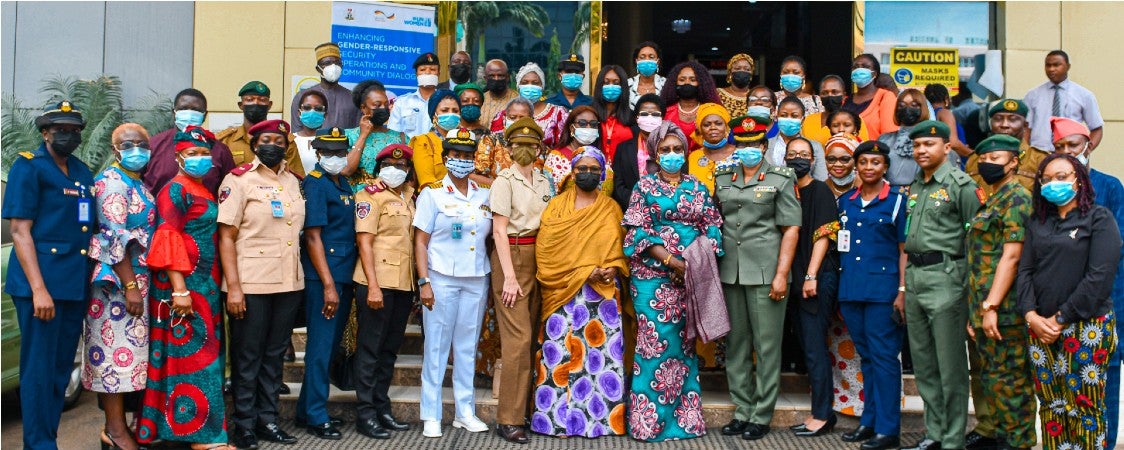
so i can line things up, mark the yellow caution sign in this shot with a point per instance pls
(920, 67)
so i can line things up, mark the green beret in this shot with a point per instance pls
(1008, 105)
(458, 89)
(998, 142)
(930, 128)
(525, 131)
(254, 88)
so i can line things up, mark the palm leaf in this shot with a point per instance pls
(19, 132)
(529, 15)
(581, 26)
(153, 112)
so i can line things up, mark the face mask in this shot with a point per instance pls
(524, 155)
(741, 79)
(572, 81)
(789, 126)
(460, 168)
(188, 117)
(672, 162)
(135, 158)
(586, 136)
(687, 91)
(392, 176)
(991, 172)
(197, 166)
(716, 145)
(791, 82)
(759, 111)
(832, 103)
(333, 164)
(909, 116)
(530, 92)
(1059, 192)
(587, 181)
(611, 92)
(379, 116)
(799, 165)
(255, 113)
(460, 73)
(862, 77)
(470, 113)
(647, 67)
(749, 156)
(648, 123)
(507, 122)
(331, 73)
(312, 119)
(270, 154)
(448, 121)
(1083, 159)
(497, 87)
(428, 79)
(63, 143)
(847, 180)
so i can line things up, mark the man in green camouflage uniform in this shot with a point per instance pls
(995, 239)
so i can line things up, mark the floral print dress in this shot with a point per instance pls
(665, 401)
(116, 343)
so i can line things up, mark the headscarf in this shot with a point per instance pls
(736, 58)
(846, 141)
(666, 128)
(436, 98)
(708, 109)
(590, 152)
(528, 68)
(192, 137)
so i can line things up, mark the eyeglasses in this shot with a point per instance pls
(1064, 176)
(126, 145)
(317, 108)
(587, 169)
(752, 99)
(649, 114)
(806, 155)
(838, 159)
(582, 123)
(670, 149)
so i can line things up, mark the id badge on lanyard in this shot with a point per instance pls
(843, 237)
(275, 205)
(85, 206)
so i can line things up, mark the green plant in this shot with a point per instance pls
(552, 83)
(18, 131)
(479, 16)
(154, 113)
(581, 26)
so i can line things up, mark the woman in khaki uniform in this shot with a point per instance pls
(385, 282)
(261, 214)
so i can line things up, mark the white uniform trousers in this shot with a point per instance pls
(458, 310)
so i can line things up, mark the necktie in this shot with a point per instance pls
(1057, 110)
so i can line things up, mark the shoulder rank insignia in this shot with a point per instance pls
(241, 170)
(981, 195)
(27, 155)
(372, 189)
(315, 174)
(435, 185)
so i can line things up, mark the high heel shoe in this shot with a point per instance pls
(823, 430)
(107, 442)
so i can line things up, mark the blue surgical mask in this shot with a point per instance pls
(672, 162)
(611, 92)
(312, 119)
(759, 111)
(188, 117)
(862, 76)
(135, 158)
(460, 168)
(197, 166)
(749, 156)
(716, 145)
(1059, 192)
(647, 67)
(470, 113)
(791, 82)
(789, 126)
(448, 121)
(572, 81)
(530, 92)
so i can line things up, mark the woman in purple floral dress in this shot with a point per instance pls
(667, 212)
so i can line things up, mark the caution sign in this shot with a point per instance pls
(920, 67)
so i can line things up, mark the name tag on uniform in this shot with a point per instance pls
(278, 211)
(843, 241)
(458, 229)
(764, 189)
(84, 210)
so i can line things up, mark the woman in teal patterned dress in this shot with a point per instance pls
(667, 212)
(183, 401)
(370, 135)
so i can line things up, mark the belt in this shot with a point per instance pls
(521, 240)
(928, 258)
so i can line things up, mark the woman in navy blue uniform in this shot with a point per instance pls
(50, 204)
(872, 224)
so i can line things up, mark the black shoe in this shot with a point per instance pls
(284, 390)
(925, 444)
(325, 431)
(273, 433)
(881, 442)
(735, 427)
(976, 441)
(290, 353)
(860, 434)
(371, 429)
(302, 422)
(755, 431)
(389, 422)
(512, 433)
(798, 427)
(825, 429)
(244, 438)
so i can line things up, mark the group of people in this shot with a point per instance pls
(605, 239)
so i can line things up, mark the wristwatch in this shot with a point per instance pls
(988, 307)
(901, 288)
(809, 277)
(1059, 318)
(423, 281)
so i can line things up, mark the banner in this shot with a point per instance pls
(381, 41)
(920, 67)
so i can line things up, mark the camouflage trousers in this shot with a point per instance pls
(1007, 386)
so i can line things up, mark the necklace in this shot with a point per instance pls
(673, 184)
(684, 111)
(835, 190)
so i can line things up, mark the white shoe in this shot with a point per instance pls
(470, 424)
(432, 428)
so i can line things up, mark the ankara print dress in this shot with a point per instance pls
(183, 401)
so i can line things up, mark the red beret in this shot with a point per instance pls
(395, 151)
(270, 126)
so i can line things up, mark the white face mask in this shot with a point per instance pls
(586, 136)
(392, 176)
(333, 164)
(427, 80)
(332, 73)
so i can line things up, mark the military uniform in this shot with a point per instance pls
(237, 138)
(1029, 157)
(268, 210)
(61, 210)
(939, 210)
(753, 211)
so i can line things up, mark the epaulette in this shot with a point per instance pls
(28, 155)
(295, 174)
(726, 170)
(483, 185)
(783, 171)
(961, 178)
(241, 170)
(372, 189)
(226, 133)
(435, 185)
(315, 174)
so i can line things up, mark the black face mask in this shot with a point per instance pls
(497, 87)
(799, 165)
(587, 181)
(461, 73)
(992, 173)
(908, 116)
(255, 113)
(379, 116)
(687, 91)
(832, 103)
(63, 143)
(270, 154)
(741, 79)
